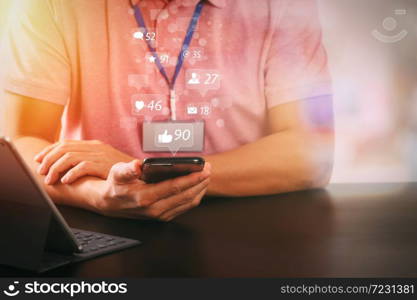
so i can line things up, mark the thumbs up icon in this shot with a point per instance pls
(165, 138)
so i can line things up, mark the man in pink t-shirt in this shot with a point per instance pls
(82, 78)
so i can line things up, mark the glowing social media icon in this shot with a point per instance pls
(150, 36)
(185, 53)
(164, 58)
(195, 79)
(173, 136)
(205, 110)
(202, 80)
(11, 290)
(139, 105)
(193, 53)
(148, 105)
(390, 24)
(138, 35)
(165, 138)
(192, 110)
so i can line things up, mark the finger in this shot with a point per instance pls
(85, 168)
(66, 162)
(174, 186)
(57, 152)
(207, 166)
(179, 210)
(39, 157)
(123, 173)
(157, 209)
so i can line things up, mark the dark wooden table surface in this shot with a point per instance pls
(348, 230)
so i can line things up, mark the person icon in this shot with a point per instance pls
(194, 79)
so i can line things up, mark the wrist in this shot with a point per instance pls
(97, 190)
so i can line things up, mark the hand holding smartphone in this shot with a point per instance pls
(162, 168)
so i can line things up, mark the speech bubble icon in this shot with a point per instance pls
(138, 81)
(194, 54)
(138, 35)
(202, 80)
(149, 105)
(173, 136)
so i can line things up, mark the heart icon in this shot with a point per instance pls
(139, 105)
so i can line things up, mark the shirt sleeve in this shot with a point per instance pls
(36, 63)
(296, 66)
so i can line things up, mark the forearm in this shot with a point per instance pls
(82, 193)
(278, 163)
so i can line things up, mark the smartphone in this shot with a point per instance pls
(162, 168)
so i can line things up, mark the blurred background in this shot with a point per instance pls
(372, 48)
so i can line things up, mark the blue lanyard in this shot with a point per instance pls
(186, 43)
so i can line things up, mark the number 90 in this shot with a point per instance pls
(184, 135)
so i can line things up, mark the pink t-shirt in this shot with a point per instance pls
(245, 58)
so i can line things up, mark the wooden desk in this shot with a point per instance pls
(348, 230)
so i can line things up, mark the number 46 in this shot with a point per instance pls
(155, 105)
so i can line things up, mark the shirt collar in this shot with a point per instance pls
(217, 3)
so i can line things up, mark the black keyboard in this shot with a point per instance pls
(94, 242)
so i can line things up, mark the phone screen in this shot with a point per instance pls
(163, 168)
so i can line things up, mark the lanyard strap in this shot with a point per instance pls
(186, 43)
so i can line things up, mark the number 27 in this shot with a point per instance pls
(211, 78)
